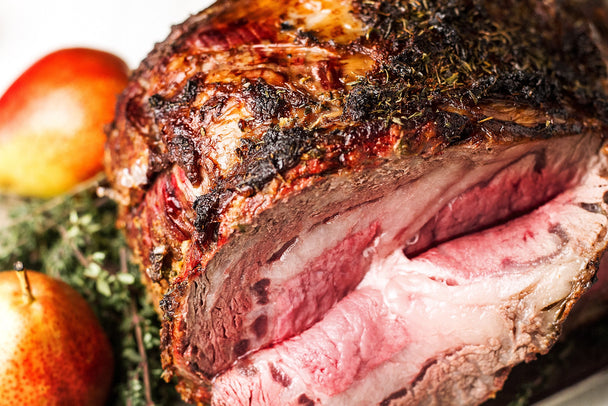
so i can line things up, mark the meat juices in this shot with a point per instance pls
(363, 202)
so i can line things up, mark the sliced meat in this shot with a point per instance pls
(444, 327)
(269, 155)
(250, 298)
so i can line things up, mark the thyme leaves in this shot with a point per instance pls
(463, 51)
(74, 238)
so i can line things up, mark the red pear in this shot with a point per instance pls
(52, 121)
(53, 350)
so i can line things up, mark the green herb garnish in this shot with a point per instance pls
(74, 238)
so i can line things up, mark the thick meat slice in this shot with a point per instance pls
(268, 153)
(444, 327)
(253, 297)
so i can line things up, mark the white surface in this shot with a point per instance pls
(29, 29)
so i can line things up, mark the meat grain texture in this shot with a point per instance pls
(362, 202)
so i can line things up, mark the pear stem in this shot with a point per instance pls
(26, 289)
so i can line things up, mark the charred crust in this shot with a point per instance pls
(266, 101)
(531, 87)
(182, 150)
(286, 26)
(160, 261)
(362, 102)
(156, 101)
(204, 206)
(307, 37)
(379, 15)
(258, 174)
(285, 147)
(179, 126)
(206, 209)
(426, 54)
(463, 51)
(171, 301)
(453, 128)
(191, 90)
(279, 150)
(167, 306)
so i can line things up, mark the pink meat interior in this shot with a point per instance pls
(478, 302)
(277, 289)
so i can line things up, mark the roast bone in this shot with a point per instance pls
(358, 203)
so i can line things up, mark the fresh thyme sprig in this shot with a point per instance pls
(74, 238)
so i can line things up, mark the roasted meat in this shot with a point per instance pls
(364, 202)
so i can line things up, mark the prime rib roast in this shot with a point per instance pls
(354, 202)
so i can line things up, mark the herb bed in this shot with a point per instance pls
(74, 238)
